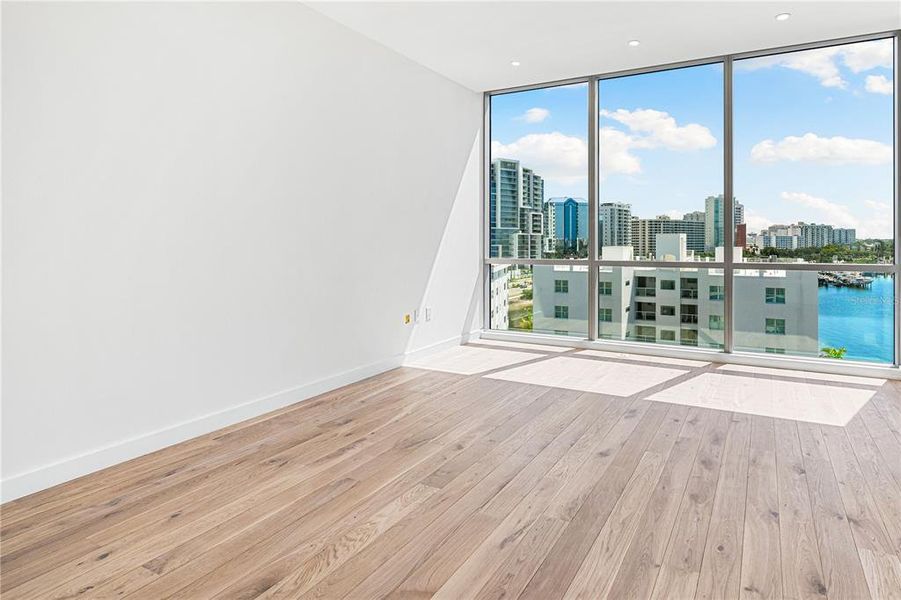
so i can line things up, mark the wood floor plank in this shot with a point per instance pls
(644, 556)
(761, 556)
(877, 553)
(842, 570)
(681, 564)
(568, 485)
(886, 492)
(802, 571)
(300, 579)
(505, 483)
(515, 572)
(888, 404)
(884, 439)
(555, 574)
(599, 567)
(720, 575)
(510, 512)
(344, 579)
(419, 484)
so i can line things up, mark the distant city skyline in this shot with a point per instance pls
(813, 138)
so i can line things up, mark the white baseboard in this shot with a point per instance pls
(72, 467)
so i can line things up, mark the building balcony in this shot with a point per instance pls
(689, 294)
(689, 319)
(645, 291)
(643, 315)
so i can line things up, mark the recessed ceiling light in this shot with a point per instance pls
(514, 63)
(634, 43)
(783, 16)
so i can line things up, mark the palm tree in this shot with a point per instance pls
(828, 352)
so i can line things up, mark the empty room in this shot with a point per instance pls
(457, 300)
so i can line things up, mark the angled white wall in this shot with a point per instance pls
(211, 210)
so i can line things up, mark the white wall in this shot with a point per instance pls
(212, 210)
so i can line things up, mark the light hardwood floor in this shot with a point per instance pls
(420, 483)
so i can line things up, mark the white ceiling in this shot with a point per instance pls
(473, 43)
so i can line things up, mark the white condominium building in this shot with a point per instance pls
(776, 310)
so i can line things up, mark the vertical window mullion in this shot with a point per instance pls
(897, 198)
(486, 208)
(728, 208)
(593, 314)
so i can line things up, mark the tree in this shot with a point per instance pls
(828, 352)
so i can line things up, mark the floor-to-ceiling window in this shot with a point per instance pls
(538, 210)
(745, 203)
(660, 197)
(813, 168)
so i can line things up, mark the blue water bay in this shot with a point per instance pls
(861, 320)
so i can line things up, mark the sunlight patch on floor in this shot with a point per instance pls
(616, 379)
(812, 402)
(469, 360)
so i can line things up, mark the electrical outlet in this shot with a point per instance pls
(415, 315)
(428, 313)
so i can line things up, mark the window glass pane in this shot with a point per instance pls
(538, 178)
(836, 314)
(542, 299)
(661, 164)
(642, 311)
(813, 154)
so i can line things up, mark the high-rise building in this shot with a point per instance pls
(714, 221)
(645, 231)
(516, 216)
(769, 239)
(741, 234)
(815, 236)
(614, 224)
(843, 236)
(500, 302)
(566, 222)
(697, 215)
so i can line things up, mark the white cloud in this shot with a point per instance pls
(615, 153)
(833, 151)
(827, 212)
(563, 158)
(554, 156)
(535, 115)
(876, 224)
(823, 63)
(647, 129)
(659, 129)
(867, 55)
(879, 84)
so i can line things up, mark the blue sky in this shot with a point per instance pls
(813, 138)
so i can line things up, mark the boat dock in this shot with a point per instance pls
(853, 280)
